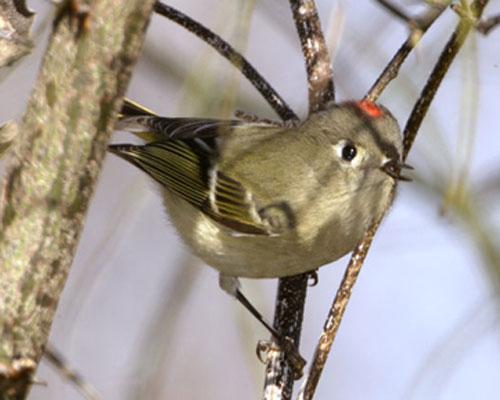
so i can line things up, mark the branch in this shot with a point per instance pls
(484, 26)
(234, 57)
(337, 310)
(57, 160)
(418, 27)
(292, 291)
(290, 301)
(8, 133)
(318, 64)
(343, 294)
(457, 39)
(487, 25)
(288, 315)
(396, 11)
(15, 26)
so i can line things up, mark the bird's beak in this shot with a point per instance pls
(393, 168)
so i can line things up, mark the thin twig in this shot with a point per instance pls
(487, 25)
(318, 64)
(288, 315)
(344, 292)
(337, 311)
(55, 358)
(484, 26)
(443, 64)
(396, 11)
(233, 56)
(418, 28)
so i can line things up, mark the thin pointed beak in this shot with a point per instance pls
(393, 169)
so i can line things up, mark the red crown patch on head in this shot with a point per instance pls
(370, 108)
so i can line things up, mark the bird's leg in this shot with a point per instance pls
(231, 285)
(249, 306)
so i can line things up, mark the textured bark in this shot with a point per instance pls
(57, 158)
(281, 371)
(15, 26)
(318, 64)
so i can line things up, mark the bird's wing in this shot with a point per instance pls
(146, 124)
(183, 161)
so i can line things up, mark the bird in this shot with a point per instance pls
(260, 199)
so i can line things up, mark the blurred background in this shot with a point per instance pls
(142, 319)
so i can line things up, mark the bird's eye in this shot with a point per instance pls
(349, 152)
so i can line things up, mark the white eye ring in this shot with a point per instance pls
(348, 152)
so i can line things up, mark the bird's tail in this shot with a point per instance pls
(132, 109)
(135, 118)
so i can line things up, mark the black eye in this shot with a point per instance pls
(349, 152)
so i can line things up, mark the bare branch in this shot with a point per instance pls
(396, 11)
(288, 315)
(318, 63)
(418, 27)
(337, 311)
(487, 25)
(447, 56)
(234, 57)
(47, 189)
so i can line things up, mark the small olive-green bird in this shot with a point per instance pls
(263, 200)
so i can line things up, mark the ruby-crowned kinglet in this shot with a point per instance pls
(258, 200)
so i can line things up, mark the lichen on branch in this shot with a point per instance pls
(56, 162)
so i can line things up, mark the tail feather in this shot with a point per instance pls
(122, 150)
(134, 119)
(132, 109)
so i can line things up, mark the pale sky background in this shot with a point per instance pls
(423, 319)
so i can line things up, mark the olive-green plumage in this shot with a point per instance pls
(254, 199)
